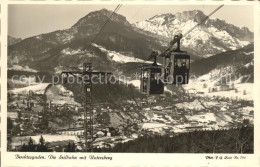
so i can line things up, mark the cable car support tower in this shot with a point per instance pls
(86, 76)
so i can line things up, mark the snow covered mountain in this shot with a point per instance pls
(71, 47)
(123, 46)
(213, 36)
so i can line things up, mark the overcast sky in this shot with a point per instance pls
(29, 20)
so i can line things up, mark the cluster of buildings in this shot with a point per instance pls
(118, 123)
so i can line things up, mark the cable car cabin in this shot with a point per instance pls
(176, 68)
(150, 79)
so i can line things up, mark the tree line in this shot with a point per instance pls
(237, 140)
(240, 140)
(42, 147)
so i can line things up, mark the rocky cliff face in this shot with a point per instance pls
(211, 37)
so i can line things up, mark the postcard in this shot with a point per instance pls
(130, 83)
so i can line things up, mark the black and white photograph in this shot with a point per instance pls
(130, 78)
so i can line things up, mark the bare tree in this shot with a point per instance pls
(242, 136)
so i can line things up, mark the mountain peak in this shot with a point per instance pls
(245, 29)
(101, 16)
(103, 12)
(166, 15)
(214, 36)
(196, 15)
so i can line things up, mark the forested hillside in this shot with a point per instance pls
(218, 141)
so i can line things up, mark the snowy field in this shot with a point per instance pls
(190, 105)
(197, 86)
(37, 89)
(244, 90)
(242, 87)
(153, 125)
(117, 57)
(247, 87)
(21, 68)
(58, 94)
(55, 138)
(210, 117)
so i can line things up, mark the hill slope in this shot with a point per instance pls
(234, 62)
(13, 40)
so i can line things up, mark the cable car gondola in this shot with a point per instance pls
(176, 64)
(150, 77)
